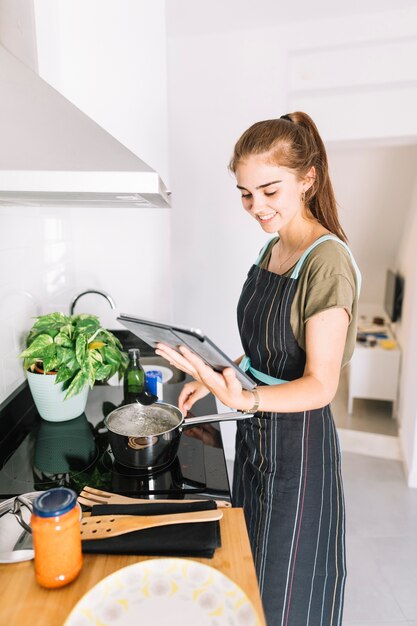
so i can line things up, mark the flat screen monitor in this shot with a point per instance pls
(393, 298)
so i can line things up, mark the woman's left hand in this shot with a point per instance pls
(225, 386)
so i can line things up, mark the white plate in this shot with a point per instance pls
(159, 592)
(167, 374)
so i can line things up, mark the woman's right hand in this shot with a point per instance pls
(191, 392)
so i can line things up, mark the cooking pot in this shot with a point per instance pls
(135, 444)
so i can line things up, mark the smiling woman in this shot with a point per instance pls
(297, 319)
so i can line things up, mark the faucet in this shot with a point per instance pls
(100, 293)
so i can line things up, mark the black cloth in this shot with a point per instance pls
(194, 539)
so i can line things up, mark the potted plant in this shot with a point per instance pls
(64, 357)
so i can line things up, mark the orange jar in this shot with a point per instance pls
(55, 525)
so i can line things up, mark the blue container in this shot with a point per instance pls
(153, 382)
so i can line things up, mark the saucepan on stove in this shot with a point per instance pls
(147, 437)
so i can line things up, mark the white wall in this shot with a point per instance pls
(217, 87)
(125, 252)
(36, 274)
(222, 80)
(374, 189)
(110, 60)
(406, 330)
(36, 244)
(18, 31)
(198, 17)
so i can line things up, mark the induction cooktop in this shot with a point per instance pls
(77, 453)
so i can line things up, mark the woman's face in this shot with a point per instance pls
(270, 193)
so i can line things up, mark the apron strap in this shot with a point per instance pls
(245, 364)
(262, 252)
(264, 378)
(301, 260)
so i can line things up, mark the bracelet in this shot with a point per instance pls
(255, 406)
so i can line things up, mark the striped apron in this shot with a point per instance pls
(287, 474)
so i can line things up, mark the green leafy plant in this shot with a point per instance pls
(76, 348)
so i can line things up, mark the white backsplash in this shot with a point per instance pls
(49, 255)
(36, 276)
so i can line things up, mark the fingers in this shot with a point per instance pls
(192, 357)
(232, 383)
(175, 358)
(225, 386)
(190, 393)
(184, 399)
(187, 397)
(167, 353)
(205, 373)
(184, 359)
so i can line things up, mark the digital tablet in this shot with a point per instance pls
(152, 332)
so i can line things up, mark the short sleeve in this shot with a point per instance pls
(330, 292)
(327, 280)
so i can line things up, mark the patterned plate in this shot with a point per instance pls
(159, 592)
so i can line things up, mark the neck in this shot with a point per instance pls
(291, 236)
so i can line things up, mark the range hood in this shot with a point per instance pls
(52, 154)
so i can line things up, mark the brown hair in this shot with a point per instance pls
(293, 141)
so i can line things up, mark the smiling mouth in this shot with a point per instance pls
(266, 218)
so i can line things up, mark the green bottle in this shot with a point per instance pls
(134, 379)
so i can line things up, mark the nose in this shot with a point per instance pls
(257, 203)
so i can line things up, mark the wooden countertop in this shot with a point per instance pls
(25, 603)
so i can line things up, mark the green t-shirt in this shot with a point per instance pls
(327, 280)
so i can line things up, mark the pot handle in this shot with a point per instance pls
(217, 417)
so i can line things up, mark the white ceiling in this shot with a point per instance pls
(193, 17)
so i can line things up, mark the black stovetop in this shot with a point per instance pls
(77, 453)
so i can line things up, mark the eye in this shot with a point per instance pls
(246, 195)
(270, 193)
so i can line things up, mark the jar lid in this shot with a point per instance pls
(54, 502)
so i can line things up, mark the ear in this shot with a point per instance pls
(309, 178)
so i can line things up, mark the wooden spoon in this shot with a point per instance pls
(104, 526)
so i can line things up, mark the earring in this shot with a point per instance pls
(303, 197)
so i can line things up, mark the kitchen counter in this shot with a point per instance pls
(25, 603)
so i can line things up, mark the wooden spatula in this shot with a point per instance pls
(90, 496)
(104, 526)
